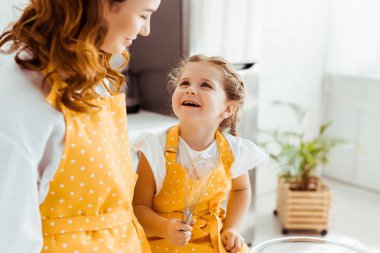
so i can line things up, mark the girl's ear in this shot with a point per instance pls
(230, 109)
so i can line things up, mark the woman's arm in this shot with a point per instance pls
(238, 202)
(20, 219)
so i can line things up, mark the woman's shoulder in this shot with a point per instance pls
(16, 82)
(12, 73)
(19, 86)
(25, 114)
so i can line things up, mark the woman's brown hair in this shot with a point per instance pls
(66, 36)
(233, 85)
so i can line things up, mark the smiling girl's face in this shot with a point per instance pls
(126, 20)
(200, 96)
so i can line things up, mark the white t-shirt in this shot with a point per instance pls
(246, 154)
(31, 145)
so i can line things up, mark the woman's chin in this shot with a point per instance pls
(116, 49)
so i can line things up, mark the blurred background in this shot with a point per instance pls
(323, 55)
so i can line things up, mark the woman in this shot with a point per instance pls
(66, 181)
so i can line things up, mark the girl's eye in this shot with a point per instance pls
(184, 83)
(204, 84)
(144, 17)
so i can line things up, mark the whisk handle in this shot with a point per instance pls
(186, 218)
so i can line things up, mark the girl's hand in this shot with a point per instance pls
(178, 233)
(232, 240)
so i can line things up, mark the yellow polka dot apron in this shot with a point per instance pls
(89, 204)
(209, 214)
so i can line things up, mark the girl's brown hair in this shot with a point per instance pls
(66, 36)
(233, 85)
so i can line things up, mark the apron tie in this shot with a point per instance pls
(210, 223)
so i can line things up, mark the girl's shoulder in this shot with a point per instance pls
(247, 155)
(237, 142)
(240, 145)
(152, 145)
(151, 141)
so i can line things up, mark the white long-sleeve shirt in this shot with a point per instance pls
(31, 145)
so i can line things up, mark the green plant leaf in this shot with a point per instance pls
(324, 127)
(298, 158)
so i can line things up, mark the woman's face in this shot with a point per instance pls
(125, 21)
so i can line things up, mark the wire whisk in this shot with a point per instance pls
(198, 180)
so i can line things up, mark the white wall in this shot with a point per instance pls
(8, 12)
(354, 38)
(292, 66)
(353, 90)
(354, 106)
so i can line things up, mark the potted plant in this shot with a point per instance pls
(303, 199)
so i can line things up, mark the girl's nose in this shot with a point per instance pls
(191, 90)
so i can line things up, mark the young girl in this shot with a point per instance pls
(66, 178)
(208, 94)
